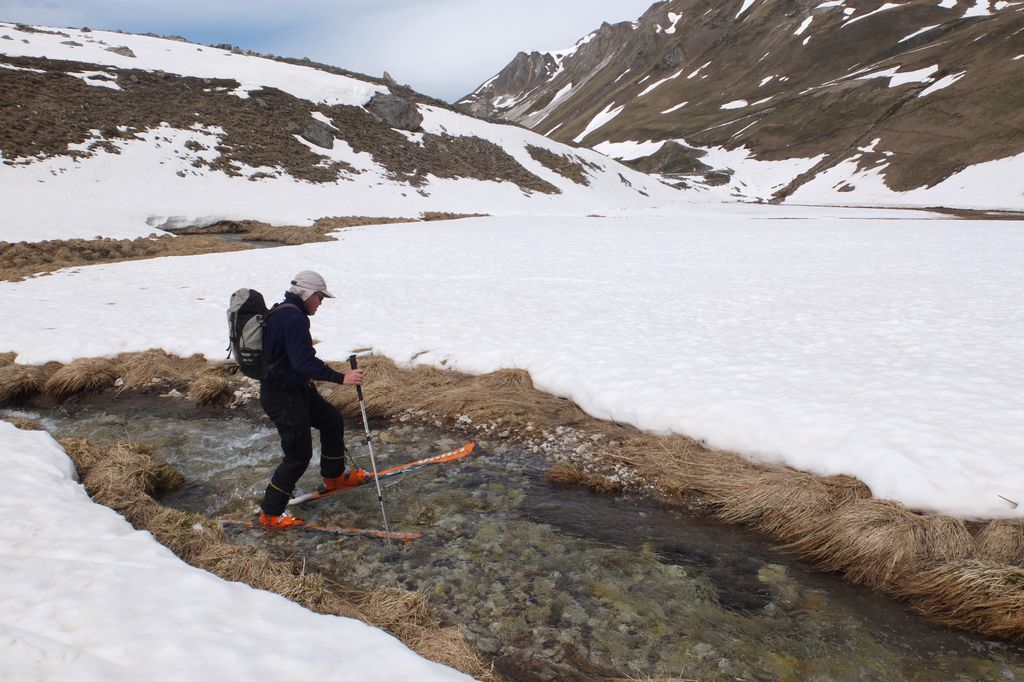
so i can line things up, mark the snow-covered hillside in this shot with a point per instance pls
(136, 134)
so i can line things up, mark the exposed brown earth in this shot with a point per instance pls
(803, 98)
(970, 576)
(24, 259)
(566, 165)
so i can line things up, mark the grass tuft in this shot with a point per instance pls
(19, 381)
(140, 369)
(983, 596)
(208, 387)
(1002, 541)
(565, 474)
(86, 374)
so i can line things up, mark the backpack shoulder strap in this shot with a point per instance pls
(278, 306)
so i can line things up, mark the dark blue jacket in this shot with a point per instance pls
(289, 347)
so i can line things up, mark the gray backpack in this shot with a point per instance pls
(247, 326)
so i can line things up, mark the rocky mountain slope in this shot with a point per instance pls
(122, 135)
(820, 99)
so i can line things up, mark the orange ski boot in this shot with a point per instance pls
(351, 478)
(281, 521)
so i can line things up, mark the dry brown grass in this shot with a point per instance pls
(140, 369)
(23, 259)
(777, 502)
(428, 216)
(7, 359)
(879, 543)
(317, 232)
(649, 679)
(289, 236)
(209, 387)
(1002, 541)
(125, 476)
(19, 381)
(564, 474)
(684, 467)
(982, 596)
(80, 376)
(846, 489)
(504, 397)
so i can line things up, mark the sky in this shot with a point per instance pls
(442, 48)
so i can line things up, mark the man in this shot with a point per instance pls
(292, 402)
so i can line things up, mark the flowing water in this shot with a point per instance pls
(554, 582)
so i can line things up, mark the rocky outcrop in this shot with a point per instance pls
(395, 112)
(313, 131)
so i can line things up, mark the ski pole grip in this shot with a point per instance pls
(359, 389)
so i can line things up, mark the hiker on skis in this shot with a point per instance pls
(290, 399)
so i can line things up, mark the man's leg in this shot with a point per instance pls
(289, 410)
(327, 419)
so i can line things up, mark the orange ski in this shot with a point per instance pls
(401, 536)
(449, 456)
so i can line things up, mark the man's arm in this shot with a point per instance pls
(301, 354)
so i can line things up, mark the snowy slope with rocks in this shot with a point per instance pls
(137, 134)
(914, 103)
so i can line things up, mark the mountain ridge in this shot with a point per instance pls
(815, 81)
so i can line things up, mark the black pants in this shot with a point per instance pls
(293, 413)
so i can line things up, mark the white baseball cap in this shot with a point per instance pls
(308, 283)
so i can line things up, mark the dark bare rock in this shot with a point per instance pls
(395, 111)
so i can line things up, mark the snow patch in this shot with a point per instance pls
(675, 108)
(674, 18)
(652, 86)
(943, 82)
(626, 151)
(919, 32)
(744, 7)
(896, 78)
(696, 71)
(99, 79)
(735, 104)
(981, 8)
(12, 67)
(884, 8)
(606, 115)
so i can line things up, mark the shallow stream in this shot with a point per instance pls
(554, 582)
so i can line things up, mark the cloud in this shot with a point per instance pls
(443, 48)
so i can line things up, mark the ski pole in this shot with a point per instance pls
(369, 444)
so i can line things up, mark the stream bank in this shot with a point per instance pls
(552, 582)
